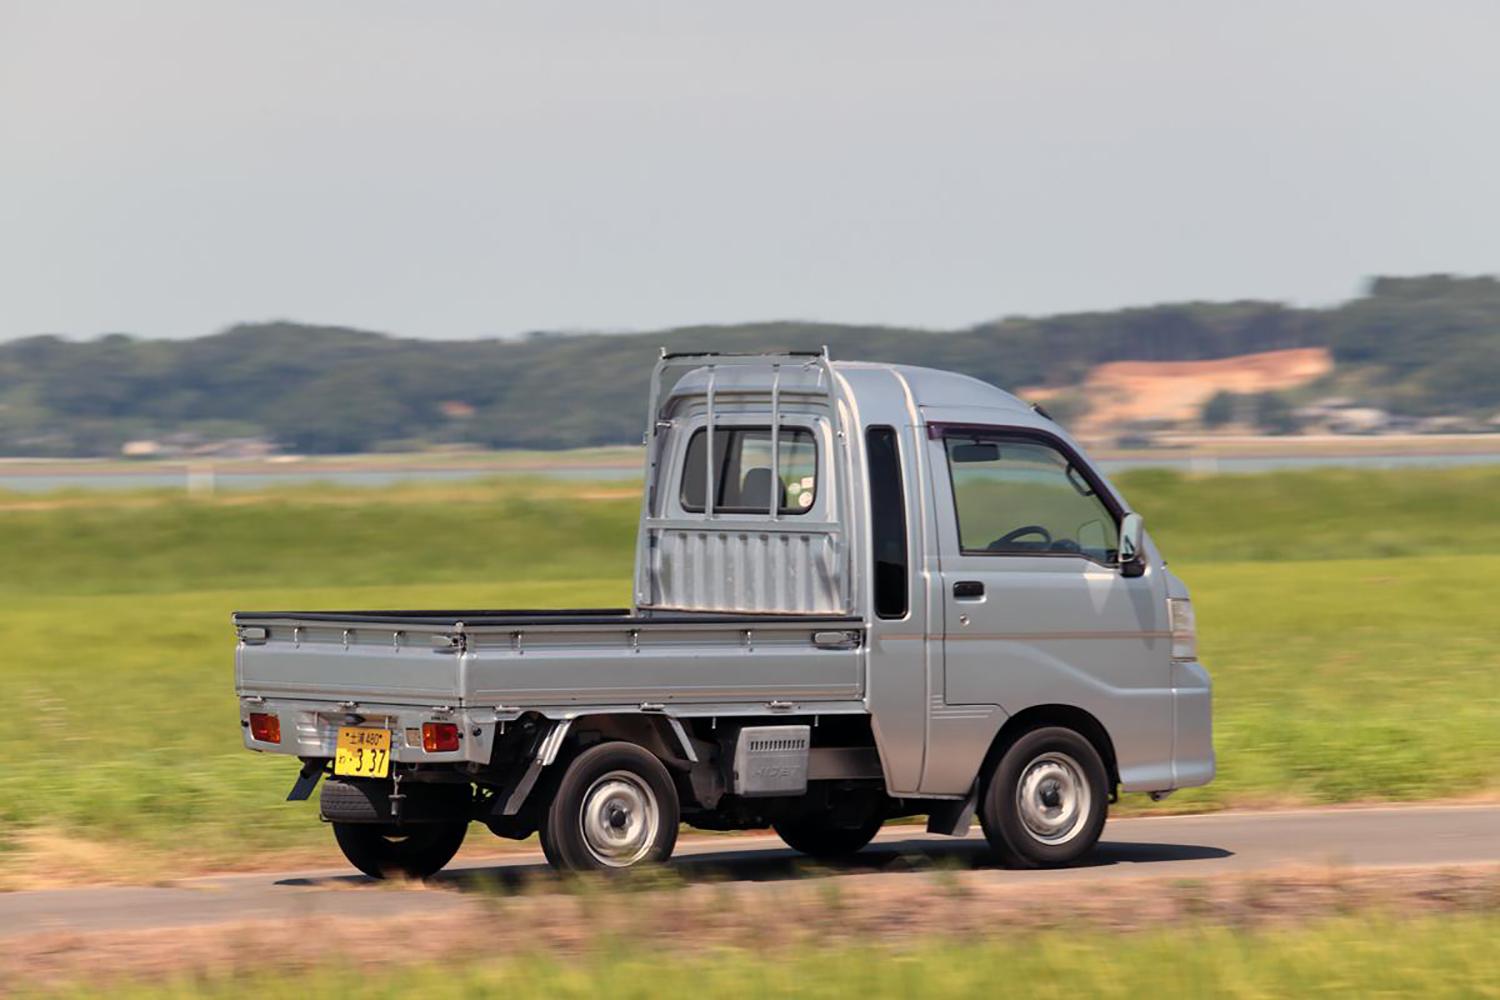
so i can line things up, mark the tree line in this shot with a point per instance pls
(1418, 345)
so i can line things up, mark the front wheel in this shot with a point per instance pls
(417, 851)
(615, 807)
(1045, 804)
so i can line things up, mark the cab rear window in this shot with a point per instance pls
(743, 477)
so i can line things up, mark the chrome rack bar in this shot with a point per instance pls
(775, 499)
(643, 535)
(710, 479)
(707, 356)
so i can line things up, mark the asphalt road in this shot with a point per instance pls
(1174, 846)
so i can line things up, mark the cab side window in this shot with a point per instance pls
(1016, 496)
(743, 479)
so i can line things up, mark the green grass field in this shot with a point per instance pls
(1348, 619)
(1365, 956)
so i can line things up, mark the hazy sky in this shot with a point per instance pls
(457, 169)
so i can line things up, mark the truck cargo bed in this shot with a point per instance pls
(516, 658)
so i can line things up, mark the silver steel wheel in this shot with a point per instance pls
(619, 819)
(1053, 798)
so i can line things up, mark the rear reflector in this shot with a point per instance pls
(439, 737)
(265, 728)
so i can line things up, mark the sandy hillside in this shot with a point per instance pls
(1122, 392)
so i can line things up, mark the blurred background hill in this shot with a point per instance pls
(1410, 354)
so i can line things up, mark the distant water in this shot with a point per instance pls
(1267, 463)
(387, 477)
(264, 480)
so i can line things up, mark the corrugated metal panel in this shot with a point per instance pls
(727, 568)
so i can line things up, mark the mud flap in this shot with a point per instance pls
(547, 748)
(312, 773)
(953, 819)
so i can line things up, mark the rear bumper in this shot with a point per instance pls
(310, 729)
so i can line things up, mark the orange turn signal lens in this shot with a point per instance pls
(265, 728)
(439, 737)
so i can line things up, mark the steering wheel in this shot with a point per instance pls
(1011, 537)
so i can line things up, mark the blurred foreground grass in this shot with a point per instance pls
(1348, 618)
(1356, 956)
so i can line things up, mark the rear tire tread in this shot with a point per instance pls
(811, 835)
(418, 851)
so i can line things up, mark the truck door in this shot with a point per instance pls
(1036, 610)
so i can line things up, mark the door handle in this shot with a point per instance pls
(968, 590)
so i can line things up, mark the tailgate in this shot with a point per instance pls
(347, 661)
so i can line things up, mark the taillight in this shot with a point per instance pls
(439, 737)
(265, 728)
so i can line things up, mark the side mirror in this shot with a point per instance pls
(1132, 528)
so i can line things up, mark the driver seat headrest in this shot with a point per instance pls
(755, 489)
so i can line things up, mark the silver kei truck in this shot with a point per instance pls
(862, 591)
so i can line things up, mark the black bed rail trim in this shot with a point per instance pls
(473, 619)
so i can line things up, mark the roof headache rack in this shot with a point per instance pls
(712, 361)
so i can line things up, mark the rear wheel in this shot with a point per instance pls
(417, 851)
(818, 836)
(1045, 804)
(616, 807)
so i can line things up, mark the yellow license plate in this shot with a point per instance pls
(362, 752)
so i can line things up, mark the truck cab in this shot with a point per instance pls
(862, 591)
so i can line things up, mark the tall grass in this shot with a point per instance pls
(1312, 514)
(166, 542)
(512, 530)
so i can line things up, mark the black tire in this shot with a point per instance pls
(815, 836)
(1046, 801)
(615, 808)
(417, 851)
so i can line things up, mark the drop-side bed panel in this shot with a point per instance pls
(764, 660)
(523, 659)
(323, 661)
